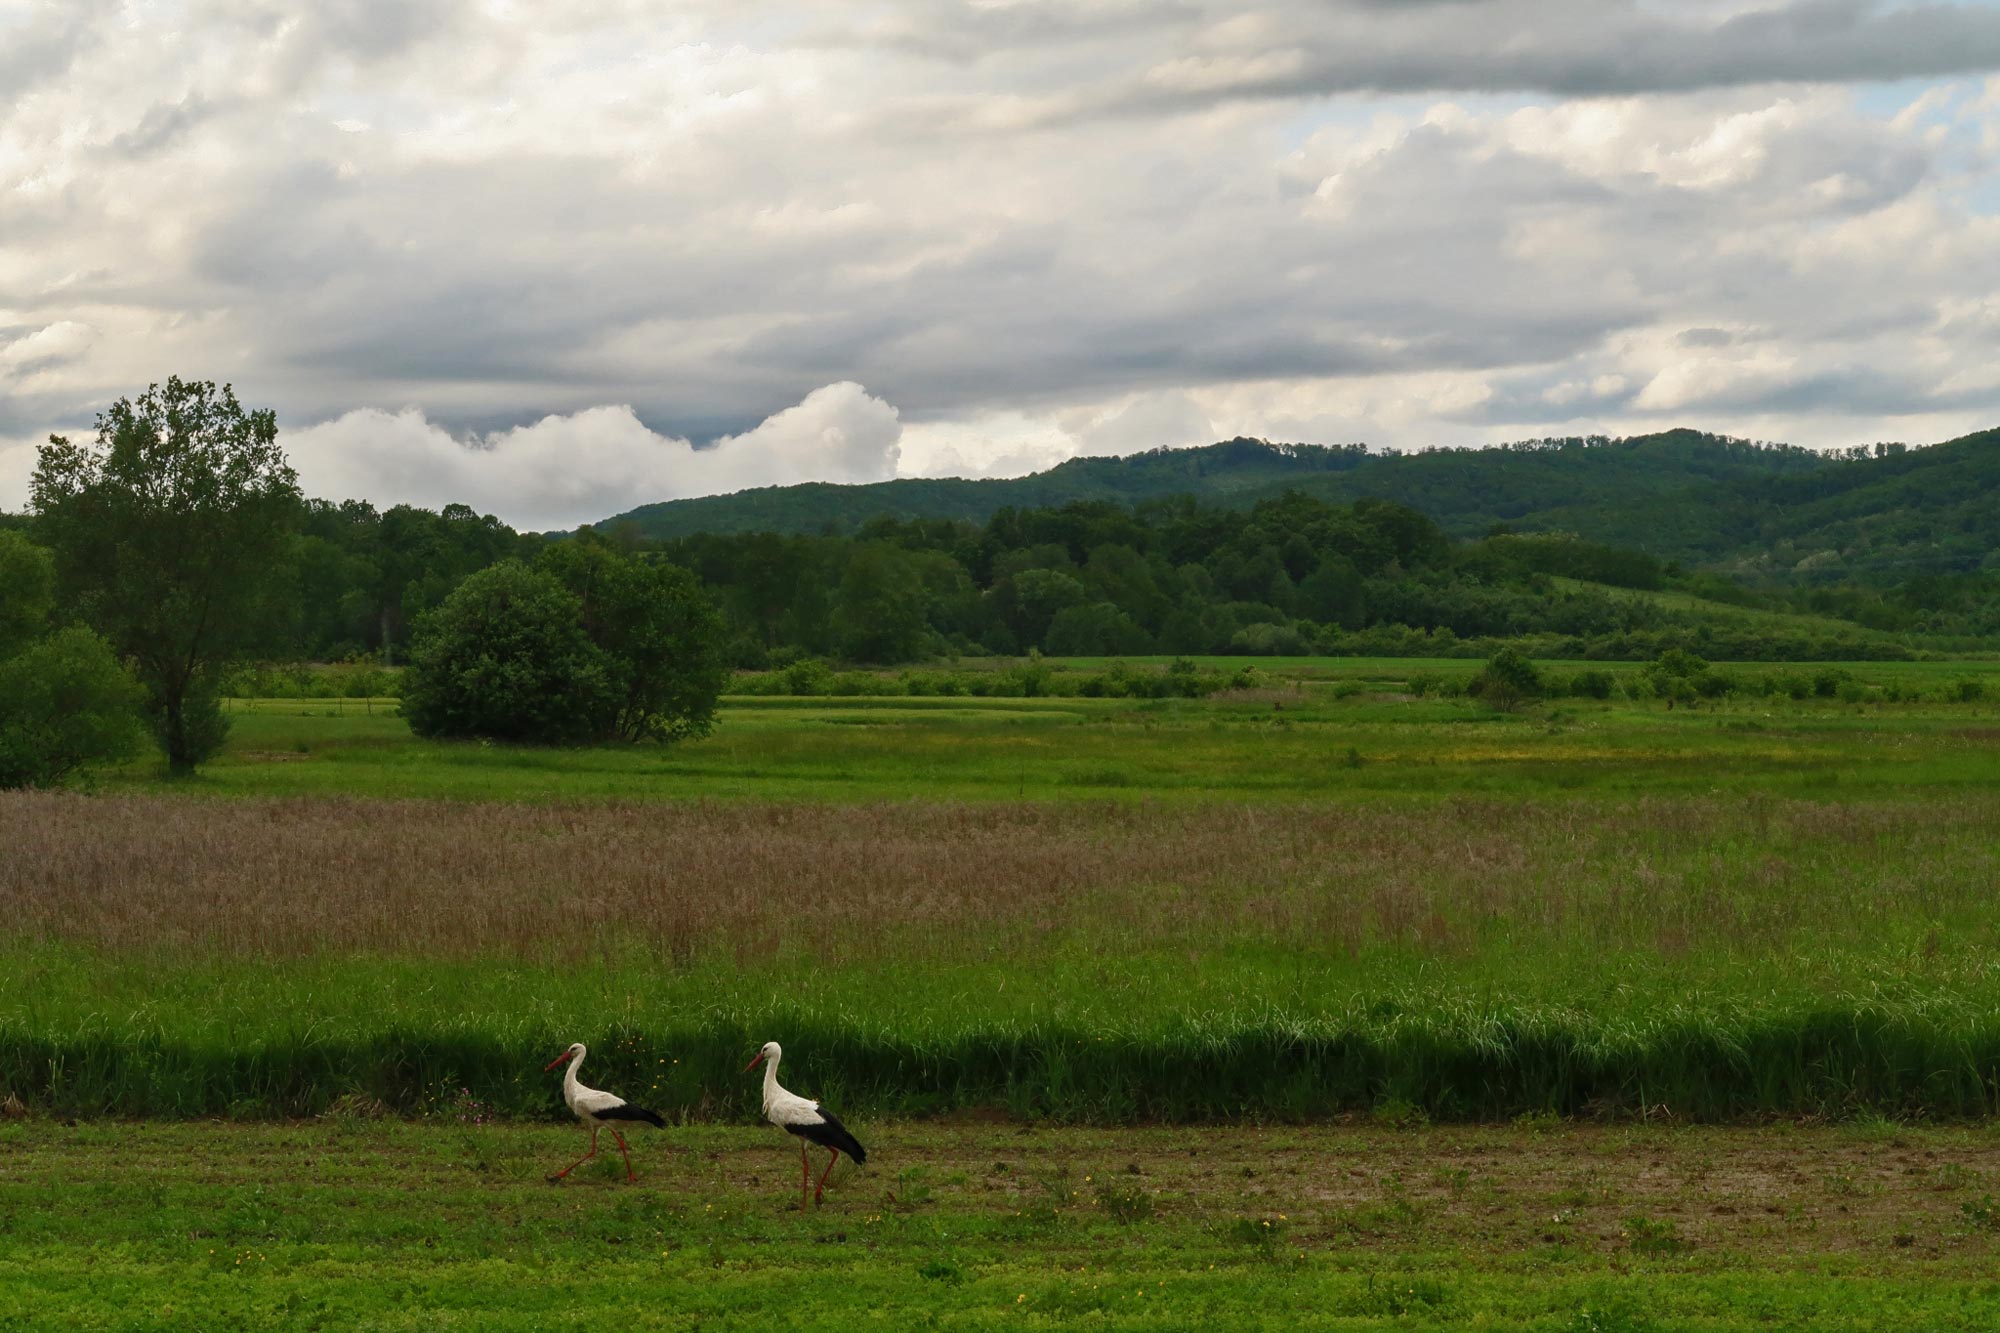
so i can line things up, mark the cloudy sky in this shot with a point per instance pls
(555, 260)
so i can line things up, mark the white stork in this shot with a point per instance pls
(805, 1118)
(595, 1108)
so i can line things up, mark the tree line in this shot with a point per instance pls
(176, 542)
(1289, 575)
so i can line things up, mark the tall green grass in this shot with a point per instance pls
(1080, 1039)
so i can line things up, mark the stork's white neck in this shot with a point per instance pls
(771, 1079)
(569, 1075)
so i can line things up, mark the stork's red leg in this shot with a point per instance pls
(832, 1156)
(629, 1173)
(581, 1160)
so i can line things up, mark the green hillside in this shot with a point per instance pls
(1233, 468)
(1767, 511)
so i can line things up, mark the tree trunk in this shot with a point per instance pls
(179, 762)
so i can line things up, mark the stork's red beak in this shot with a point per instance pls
(553, 1063)
(754, 1063)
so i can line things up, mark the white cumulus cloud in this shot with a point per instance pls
(562, 471)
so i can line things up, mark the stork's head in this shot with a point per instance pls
(575, 1052)
(770, 1052)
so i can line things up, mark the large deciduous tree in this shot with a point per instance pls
(170, 532)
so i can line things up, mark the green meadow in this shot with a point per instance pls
(1317, 1003)
(1320, 729)
(350, 1222)
(1316, 897)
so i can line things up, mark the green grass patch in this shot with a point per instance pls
(1305, 740)
(349, 1222)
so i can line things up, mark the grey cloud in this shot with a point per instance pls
(471, 286)
(708, 233)
(163, 125)
(362, 30)
(42, 47)
(1569, 48)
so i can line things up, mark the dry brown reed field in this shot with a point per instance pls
(1468, 958)
(285, 878)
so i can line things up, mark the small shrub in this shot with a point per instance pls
(1592, 684)
(1402, 1296)
(1399, 1113)
(1713, 684)
(1654, 1235)
(1609, 1319)
(807, 678)
(1507, 681)
(1538, 1122)
(1124, 1204)
(1264, 1235)
(66, 705)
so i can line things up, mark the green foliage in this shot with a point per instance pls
(589, 646)
(506, 656)
(27, 590)
(1125, 1204)
(1679, 664)
(879, 613)
(364, 576)
(357, 678)
(1097, 629)
(1572, 557)
(1289, 574)
(1507, 681)
(659, 634)
(1593, 684)
(170, 531)
(66, 705)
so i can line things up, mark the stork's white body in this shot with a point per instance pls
(783, 1107)
(595, 1107)
(587, 1104)
(807, 1120)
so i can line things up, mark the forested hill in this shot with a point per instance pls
(1234, 468)
(1883, 515)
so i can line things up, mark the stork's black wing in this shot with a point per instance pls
(627, 1111)
(830, 1133)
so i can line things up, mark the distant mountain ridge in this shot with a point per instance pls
(1773, 511)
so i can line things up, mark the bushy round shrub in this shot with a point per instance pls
(505, 656)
